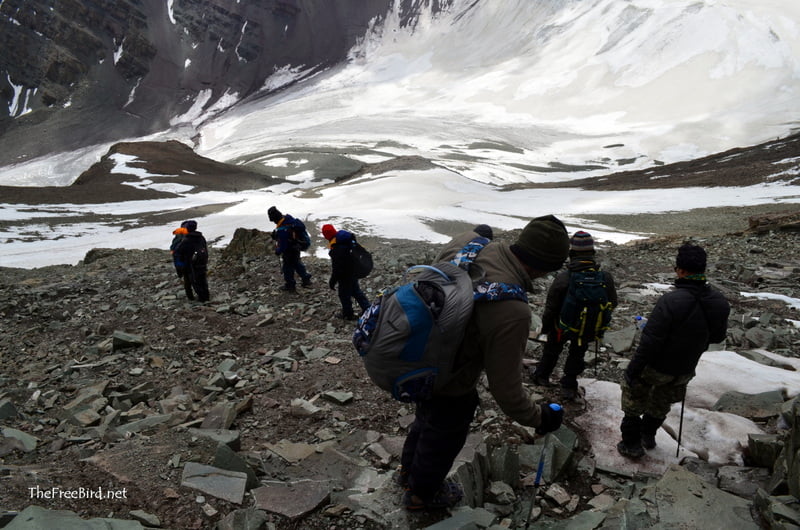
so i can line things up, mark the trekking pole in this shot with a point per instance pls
(680, 427)
(596, 355)
(539, 470)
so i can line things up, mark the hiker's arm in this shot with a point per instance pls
(503, 348)
(654, 338)
(555, 297)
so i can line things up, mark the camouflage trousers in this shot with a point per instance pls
(654, 393)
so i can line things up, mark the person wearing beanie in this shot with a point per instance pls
(288, 248)
(192, 253)
(484, 231)
(680, 328)
(343, 275)
(582, 265)
(494, 342)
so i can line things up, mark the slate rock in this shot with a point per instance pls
(292, 499)
(38, 518)
(220, 483)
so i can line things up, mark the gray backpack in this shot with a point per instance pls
(410, 336)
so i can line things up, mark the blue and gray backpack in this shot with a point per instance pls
(409, 337)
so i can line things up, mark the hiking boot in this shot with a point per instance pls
(569, 394)
(289, 288)
(346, 317)
(448, 496)
(649, 441)
(630, 450)
(306, 282)
(540, 380)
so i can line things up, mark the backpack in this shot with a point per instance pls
(301, 235)
(411, 334)
(200, 258)
(586, 312)
(362, 261)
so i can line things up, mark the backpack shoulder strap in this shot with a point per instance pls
(469, 252)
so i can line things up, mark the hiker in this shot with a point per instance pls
(178, 234)
(680, 328)
(494, 342)
(192, 251)
(341, 243)
(582, 260)
(288, 246)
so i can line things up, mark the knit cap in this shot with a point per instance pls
(581, 242)
(691, 258)
(191, 226)
(274, 214)
(543, 244)
(484, 231)
(328, 232)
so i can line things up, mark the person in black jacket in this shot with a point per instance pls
(192, 251)
(680, 328)
(582, 258)
(342, 274)
(287, 247)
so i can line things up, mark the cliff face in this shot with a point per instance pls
(76, 72)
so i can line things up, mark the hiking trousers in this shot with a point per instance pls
(199, 282)
(573, 366)
(349, 290)
(291, 263)
(434, 440)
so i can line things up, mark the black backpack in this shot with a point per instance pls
(586, 312)
(301, 235)
(200, 258)
(362, 261)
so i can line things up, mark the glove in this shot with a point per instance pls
(551, 417)
(332, 283)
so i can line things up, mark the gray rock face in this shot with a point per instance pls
(93, 54)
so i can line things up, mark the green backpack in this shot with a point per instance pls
(586, 312)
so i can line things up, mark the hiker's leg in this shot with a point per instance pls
(441, 427)
(287, 267)
(300, 268)
(361, 298)
(550, 353)
(200, 284)
(344, 289)
(575, 364)
(187, 283)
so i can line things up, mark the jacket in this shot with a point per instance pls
(179, 234)
(558, 292)
(496, 336)
(680, 328)
(341, 260)
(190, 243)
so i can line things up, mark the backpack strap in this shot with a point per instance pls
(486, 291)
(469, 252)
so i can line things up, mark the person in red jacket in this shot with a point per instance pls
(341, 243)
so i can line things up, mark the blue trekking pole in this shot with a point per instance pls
(540, 468)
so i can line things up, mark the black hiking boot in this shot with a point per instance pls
(306, 282)
(649, 441)
(633, 451)
(568, 394)
(289, 288)
(540, 380)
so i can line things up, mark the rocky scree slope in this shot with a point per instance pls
(111, 378)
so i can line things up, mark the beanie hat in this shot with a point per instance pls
(543, 244)
(328, 232)
(691, 258)
(484, 231)
(274, 214)
(581, 242)
(191, 226)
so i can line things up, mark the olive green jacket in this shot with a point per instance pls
(496, 335)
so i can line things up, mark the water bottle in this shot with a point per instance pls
(641, 322)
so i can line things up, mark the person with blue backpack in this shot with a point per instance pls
(494, 342)
(341, 244)
(577, 310)
(290, 237)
